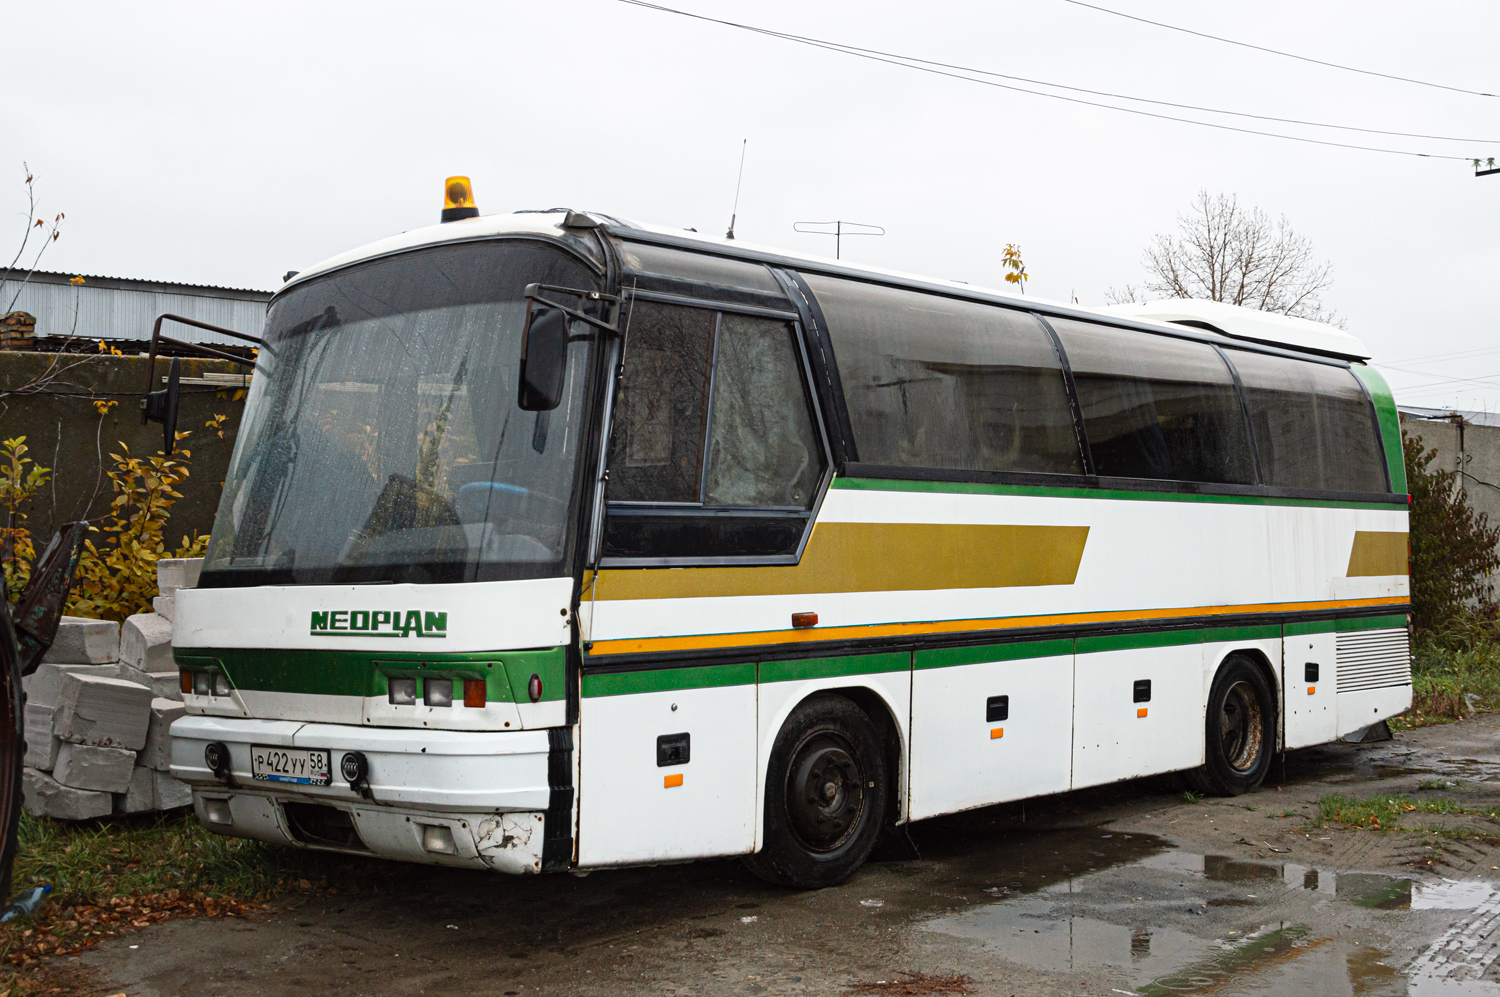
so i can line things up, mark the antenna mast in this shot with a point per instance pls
(735, 213)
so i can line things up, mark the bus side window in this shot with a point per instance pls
(936, 382)
(1313, 424)
(713, 417)
(1156, 407)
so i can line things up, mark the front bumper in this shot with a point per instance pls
(436, 796)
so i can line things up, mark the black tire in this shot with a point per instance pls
(12, 748)
(826, 796)
(1239, 731)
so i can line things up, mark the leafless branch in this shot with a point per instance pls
(1223, 252)
(49, 235)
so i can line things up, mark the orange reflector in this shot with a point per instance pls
(187, 680)
(996, 732)
(1141, 712)
(475, 693)
(1311, 689)
(804, 619)
(675, 779)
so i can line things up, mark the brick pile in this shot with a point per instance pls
(98, 709)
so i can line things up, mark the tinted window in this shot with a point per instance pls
(935, 382)
(699, 267)
(1314, 427)
(714, 450)
(1156, 407)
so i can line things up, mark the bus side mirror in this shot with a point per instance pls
(544, 359)
(161, 406)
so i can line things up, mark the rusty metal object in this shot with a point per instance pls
(40, 606)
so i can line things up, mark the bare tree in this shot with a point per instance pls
(1224, 252)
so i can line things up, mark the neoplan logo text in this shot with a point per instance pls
(379, 623)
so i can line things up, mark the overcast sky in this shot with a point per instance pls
(196, 143)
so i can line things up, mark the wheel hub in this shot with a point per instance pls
(825, 792)
(1241, 731)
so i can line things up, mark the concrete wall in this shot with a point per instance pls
(68, 434)
(1469, 449)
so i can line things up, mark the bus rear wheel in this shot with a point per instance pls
(826, 795)
(1240, 734)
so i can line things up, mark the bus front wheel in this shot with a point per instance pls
(1241, 731)
(826, 794)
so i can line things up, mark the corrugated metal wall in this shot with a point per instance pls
(116, 309)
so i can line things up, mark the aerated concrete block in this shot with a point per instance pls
(81, 641)
(165, 605)
(43, 685)
(146, 643)
(105, 712)
(138, 797)
(158, 751)
(85, 766)
(168, 793)
(173, 573)
(41, 743)
(45, 796)
(163, 685)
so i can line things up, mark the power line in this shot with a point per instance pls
(926, 66)
(1274, 51)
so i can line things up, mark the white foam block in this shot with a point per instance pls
(41, 743)
(45, 796)
(158, 751)
(169, 793)
(85, 766)
(82, 641)
(105, 712)
(43, 685)
(146, 642)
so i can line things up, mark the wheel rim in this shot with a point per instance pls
(1241, 732)
(825, 791)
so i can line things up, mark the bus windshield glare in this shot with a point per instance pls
(381, 440)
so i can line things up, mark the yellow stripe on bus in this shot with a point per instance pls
(704, 642)
(878, 557)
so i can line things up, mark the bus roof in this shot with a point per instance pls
(571, 227)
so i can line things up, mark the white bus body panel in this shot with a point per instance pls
(959, 760)
(1310, 717)
(628, 813)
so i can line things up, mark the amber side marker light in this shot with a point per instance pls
(1311, 689)
(187, 680)
(672, 781)
(474, 693)
(458, 199)
(1140, 712)
(996, 732)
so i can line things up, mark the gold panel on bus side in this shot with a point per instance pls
(879, 557)
(1378, 553)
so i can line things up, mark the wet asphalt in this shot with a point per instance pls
(1130, 889)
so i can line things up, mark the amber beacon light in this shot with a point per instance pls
(458, 199)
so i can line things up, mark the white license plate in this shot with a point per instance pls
(307, 767)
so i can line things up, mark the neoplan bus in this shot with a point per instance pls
(553, 541)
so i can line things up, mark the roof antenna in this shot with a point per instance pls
(735, 213)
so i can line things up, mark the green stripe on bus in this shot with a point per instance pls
(1343, 626)
(949, 657)
(1222, 635)
(978, 488)
(364, 673)
(1390, 423)
(669, 679)
(817, 668)
(1123, 642)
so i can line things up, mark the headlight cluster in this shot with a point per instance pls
(205, 683)
(436, 692)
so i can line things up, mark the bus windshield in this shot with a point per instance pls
(381, 440)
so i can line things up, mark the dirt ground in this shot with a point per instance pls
(1128, 890)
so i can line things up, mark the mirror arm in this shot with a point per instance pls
(533, 293)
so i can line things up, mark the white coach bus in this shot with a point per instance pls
(553, 541)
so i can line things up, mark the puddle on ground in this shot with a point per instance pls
(1166, 921)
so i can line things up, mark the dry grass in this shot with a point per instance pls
(917, 983)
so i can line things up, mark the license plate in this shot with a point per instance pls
(304, 766)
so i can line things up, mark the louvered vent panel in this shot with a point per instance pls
(1373, 659)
